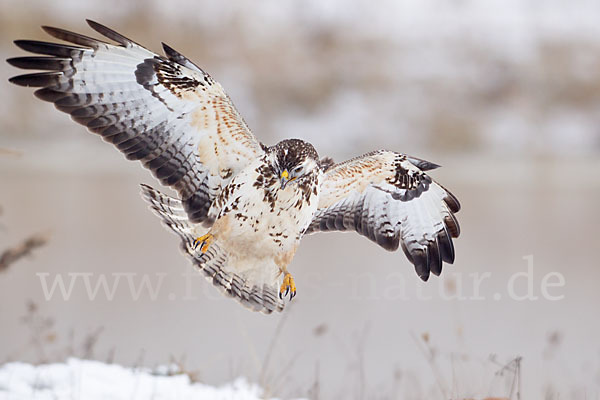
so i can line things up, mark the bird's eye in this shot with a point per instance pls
(298, 169)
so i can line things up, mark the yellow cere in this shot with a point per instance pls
(285, 174)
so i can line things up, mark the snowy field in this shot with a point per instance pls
(93, 380)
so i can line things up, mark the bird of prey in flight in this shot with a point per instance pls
(242, 207)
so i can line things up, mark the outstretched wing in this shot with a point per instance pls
(387, 197)
(164, 111)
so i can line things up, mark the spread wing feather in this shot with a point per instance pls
(387, 197)
(163, 111)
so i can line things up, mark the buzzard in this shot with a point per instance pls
(242, 207)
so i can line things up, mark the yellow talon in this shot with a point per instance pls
(288, 286)
(204, 242)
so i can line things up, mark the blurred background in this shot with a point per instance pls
(505, 94)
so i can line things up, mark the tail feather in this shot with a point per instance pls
(170, 211)
(213, 263)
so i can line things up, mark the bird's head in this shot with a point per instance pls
(293, 160)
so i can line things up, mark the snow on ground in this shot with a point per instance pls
(91, 380)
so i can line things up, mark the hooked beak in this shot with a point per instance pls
(285, 178)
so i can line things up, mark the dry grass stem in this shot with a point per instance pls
(23, 249)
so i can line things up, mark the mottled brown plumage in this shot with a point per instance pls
(242, 207)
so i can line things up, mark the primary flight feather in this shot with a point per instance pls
(242, 207)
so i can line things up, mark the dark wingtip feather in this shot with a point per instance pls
(72, 37)
(179, 58)
(169, 51)
(41, 63)
(14, 61)
(420, 259)
(423, 165)
(109, 33)
(36, 80)
(446, 246)
(451, 200)
(24, 44)
(452, 225)
(47, 48)
(435, 258)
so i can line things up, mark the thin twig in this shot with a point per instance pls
(360, 361)
(11, 255)
(265, 365)
(518, 376)
(90, 342)
(314, 390)
(281, 379)
(429, 355)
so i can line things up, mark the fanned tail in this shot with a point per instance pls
(213, 263)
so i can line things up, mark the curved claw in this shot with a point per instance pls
(204, 242)
(287, 287)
